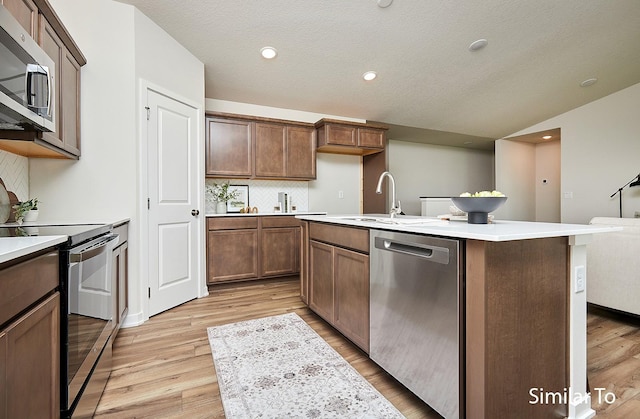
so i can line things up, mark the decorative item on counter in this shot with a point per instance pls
(26, 211)
(221, 193)
(5, 204)
(240, 199)
(277, 208)
(254, 210)
(479, 205)
(283, 199)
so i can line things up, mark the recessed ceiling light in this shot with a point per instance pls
(547, 137)
(478, 45)
(384, 3)
(369, 75)
(269, 52)
(588, 82)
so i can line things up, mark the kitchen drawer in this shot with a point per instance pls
(24, 284)
(279, 221)
(231, 223)
(349, 237)
(123, 231)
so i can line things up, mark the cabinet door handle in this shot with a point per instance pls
(195, 212)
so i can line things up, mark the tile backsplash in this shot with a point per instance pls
(264, 193)
(14, 172)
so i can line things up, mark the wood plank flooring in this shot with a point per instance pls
(164, 368)
(613, 363)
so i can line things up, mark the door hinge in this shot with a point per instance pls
(149, 292)
(148, 112)
(148, 203)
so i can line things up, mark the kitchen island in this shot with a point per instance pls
(522, 305)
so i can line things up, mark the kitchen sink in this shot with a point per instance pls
(389, 220)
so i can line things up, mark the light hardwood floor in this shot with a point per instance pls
(164, 368)
(613, 359)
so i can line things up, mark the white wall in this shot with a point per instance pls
(121, 46)
(101, 185)
(548, 156)
(334, 172)
(600, 148)
(515, 177)
(520, 170)
(437, 171)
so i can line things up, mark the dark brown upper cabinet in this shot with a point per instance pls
(340, 137)
(229, 148)
(260, 149)
(39, 19)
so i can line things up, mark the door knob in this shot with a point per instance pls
(195, 212)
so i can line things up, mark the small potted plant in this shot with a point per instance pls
(26, 211)
(221, 194)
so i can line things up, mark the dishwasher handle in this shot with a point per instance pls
(432, 253)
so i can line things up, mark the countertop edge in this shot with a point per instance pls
(14, 247)
(498, 231)
(265, 214)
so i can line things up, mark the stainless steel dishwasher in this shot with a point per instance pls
(416, 307)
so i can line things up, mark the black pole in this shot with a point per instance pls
(619, 191)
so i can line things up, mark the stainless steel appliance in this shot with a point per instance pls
(26, 79)
(86, 312)
(416, 309)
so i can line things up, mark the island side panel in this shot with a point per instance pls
(516, 328)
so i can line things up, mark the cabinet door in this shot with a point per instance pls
(280, 251)
(120, 283)
(232, 255)
(123, 282)
(26, 13)
(3, 376)
(301, 152)
(53, 46)
(70, 103)
(351, 294)
(321, 279)
(304, 261)
(371, 138)
(229, 148)
(270, 150)
(341, 135)
(32, 378)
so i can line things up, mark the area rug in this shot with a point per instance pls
(278, 367)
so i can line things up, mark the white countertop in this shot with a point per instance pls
(15, 247)
(498, 230)
(258, 214)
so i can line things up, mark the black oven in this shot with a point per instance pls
(86, 312)
(88, 295)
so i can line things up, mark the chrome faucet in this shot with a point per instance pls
(394, 210)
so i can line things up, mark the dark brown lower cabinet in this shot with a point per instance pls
(338, 279)
(252, 247)
(30, 366)
(516, 328)
(30, 338)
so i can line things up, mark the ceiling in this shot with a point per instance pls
(429, 84)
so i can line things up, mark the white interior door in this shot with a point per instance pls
(173, 222)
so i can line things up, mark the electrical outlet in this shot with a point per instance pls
(568, 195)
(580, 279)
(340, 194)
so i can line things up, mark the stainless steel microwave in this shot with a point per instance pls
(26, 80)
